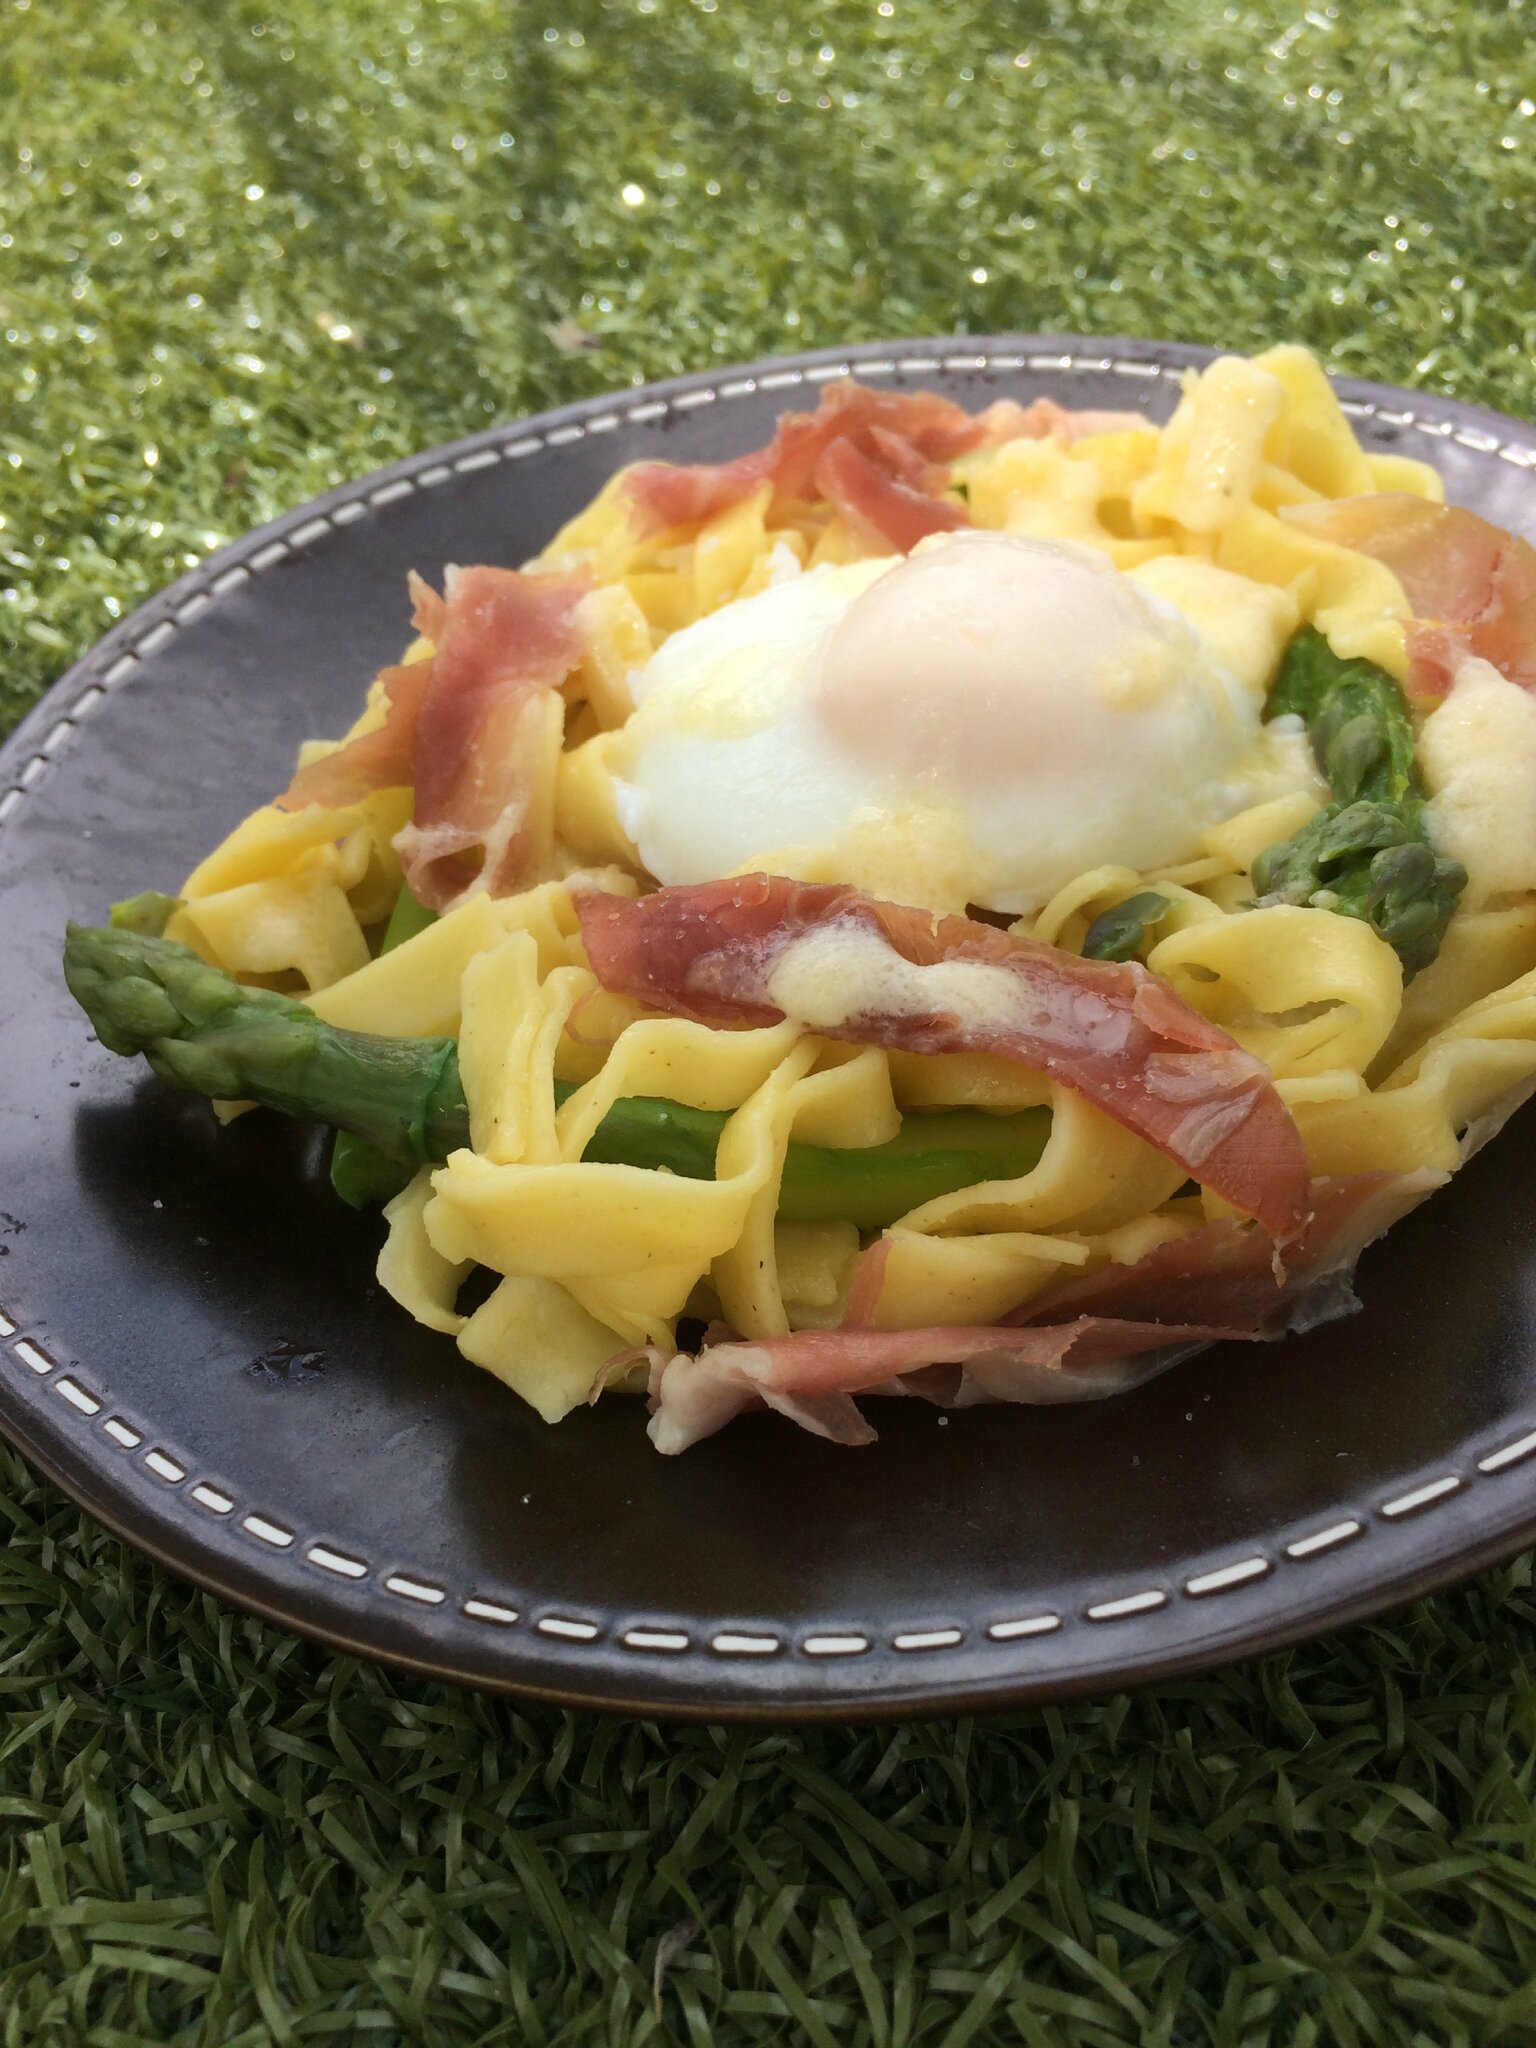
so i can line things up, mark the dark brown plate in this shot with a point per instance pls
(400, 1502)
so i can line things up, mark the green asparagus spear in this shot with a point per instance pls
(934, 1153)
(1368, 854)
(1373, 861)
(1117, 933)
(1355, 717)
(201, 1029)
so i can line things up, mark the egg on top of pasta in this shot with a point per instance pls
(972, 906)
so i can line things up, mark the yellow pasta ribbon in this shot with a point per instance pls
(411, 1270)
(299, 923)
(1304, 990)
(537, 1339)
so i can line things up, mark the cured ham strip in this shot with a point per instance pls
(813, 1375)
(880, 506)
(381, 759)
(1225, 1272)
(385, 757)
(451, 724)
(1087, 1339)
(1471, 585)
(502, 640)
(906, 437)
(757, 948)
(913, 426)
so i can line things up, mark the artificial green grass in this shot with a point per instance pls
(246, 252)
(218, 1834)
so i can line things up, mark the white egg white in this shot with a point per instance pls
(974, 724)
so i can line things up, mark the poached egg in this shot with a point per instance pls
(973, 724)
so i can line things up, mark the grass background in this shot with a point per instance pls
(247, 251)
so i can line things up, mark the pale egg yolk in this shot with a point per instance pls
(980, 655)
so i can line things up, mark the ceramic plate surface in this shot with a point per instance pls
(398, 1501)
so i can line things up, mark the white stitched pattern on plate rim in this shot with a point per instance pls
(336, 1561)
(1421, 1497)
(490, 1610)
(669, 1639)
(1025, 1625)
(1127, 1605)
(514, 445)
(928, 1639)
(414, 1589)
(1226, 1576)
(1509, 1454)
(1325, 1539)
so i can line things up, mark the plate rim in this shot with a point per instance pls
(1220, 1649)
(551, 1671)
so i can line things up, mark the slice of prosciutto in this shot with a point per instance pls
(1090, 1338)
(1471, 585)
(879, 502)
(880, 457)
(459, 726)
(384, 758)
(913, 427)
(503, 641)
(757, 948)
